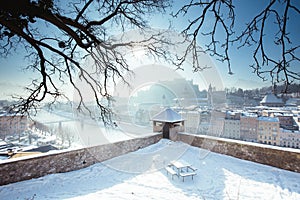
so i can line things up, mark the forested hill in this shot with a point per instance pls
(293, 88)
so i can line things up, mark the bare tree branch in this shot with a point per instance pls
(275, 15)
(77, 33)
(223, 16)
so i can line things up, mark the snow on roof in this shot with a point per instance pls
(167, 115)
(229, 112)
(269, 119)
(289, 131)
(218, 177)
(5, 114)
(271, 98)
(249, 114)
(283, 114)
(2, 142)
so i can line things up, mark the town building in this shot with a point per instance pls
(12, 124)
(248, 127)
(232, 126)
(286, 118)
(268, 130)
(289, 138)
(271, 100)
(287, 122)
(215, 125)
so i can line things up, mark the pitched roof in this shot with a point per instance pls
(271, 98)
(167, 115)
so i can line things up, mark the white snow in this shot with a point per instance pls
(268, 119)
(167, 115)
(141, 175)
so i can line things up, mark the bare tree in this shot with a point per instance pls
(58, 35)
(219, 16)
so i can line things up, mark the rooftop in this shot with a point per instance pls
(248, 114)
(167, 115)
(268, 119)
(218, 177)
(271, 98)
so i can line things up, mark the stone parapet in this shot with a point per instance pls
(284, 158)
(40, 165)
(64, 161)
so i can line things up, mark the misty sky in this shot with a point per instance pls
(13, 77)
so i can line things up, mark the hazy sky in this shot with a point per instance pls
(13, 76)
(242, 58)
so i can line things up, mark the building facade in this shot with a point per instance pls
(248, 128)
(232, 126)
(11, 124)
(268, 130)
(288, 122)
(289, 138)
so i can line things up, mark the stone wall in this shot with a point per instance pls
(41, 165)
(288, 159)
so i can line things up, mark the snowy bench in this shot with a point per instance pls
(171, 171)
(185, 174)
(192, 168)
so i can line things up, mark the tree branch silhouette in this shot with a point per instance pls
(217, 19)
(59, 35)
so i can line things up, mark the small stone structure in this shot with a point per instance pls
(169, 123)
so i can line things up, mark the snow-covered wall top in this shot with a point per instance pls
(38, 166)
(280, 157)
(41, 165)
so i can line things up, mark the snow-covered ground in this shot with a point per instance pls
(141, 175)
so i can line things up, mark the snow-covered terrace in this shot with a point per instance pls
(141, 175)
